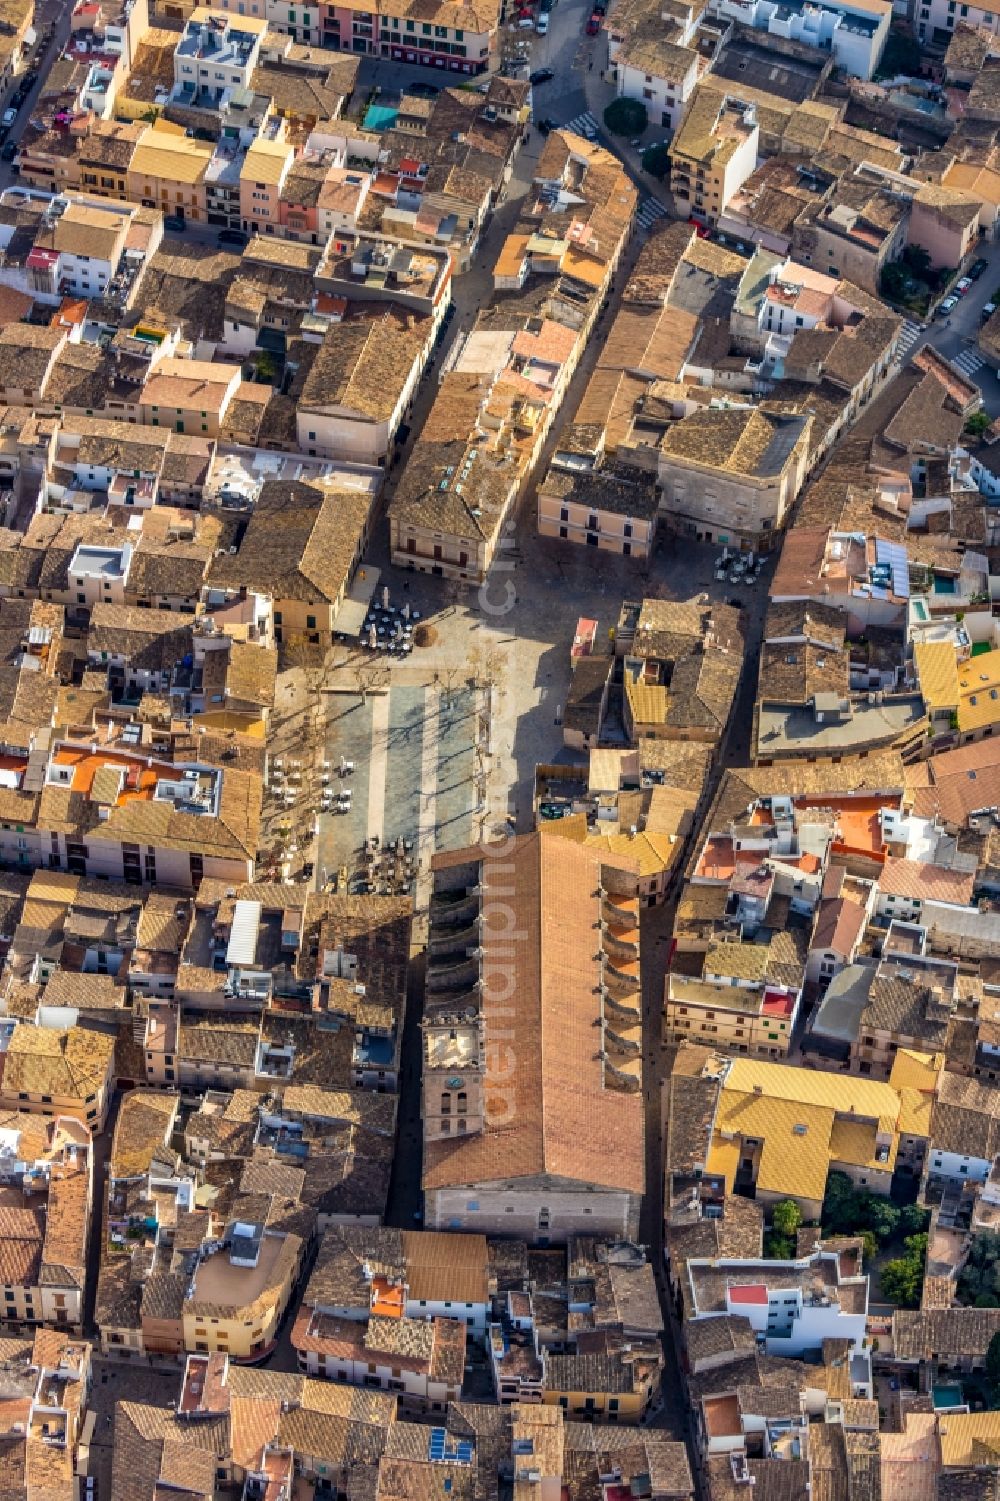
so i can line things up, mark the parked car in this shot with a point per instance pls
(594, 25)
(233, 237)
(174, 223)
(526, 24)
(542, 25)
(541, 75)
(977, 268)
(9, 151)
(9, 116)
(964, 286)
(947, 306)
(424, 90)
(987, 312)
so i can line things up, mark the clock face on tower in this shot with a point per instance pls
(454, 1083)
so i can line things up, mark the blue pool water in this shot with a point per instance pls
(380, 116)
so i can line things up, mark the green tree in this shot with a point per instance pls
(778, 1247)
(986, 1300)
(901, 1281)
(626, 117)
(656, 160)
(901, 56)
(839, 1205)
(895, 282)
(913, 1219)
(870, 1244)
(879, 1215)
(916, 1246)
(977, 424)
(848, 1210)
(918, 260)
(980, 1276)
(786, 1217)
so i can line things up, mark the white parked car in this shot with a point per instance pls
(542, 25)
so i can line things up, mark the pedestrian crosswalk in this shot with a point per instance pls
(650, 212)
(909, 335)
(968, 362)
(582, 125)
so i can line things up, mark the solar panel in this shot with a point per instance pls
(893, 555)
(439, 1449)
(436, 1444)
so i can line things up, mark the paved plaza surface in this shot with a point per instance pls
(445, 747)
(413, 745)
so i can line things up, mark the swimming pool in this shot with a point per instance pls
(381, 116)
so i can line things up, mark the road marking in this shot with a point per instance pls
(969, 362)
(908, 336)
(427, 813)
(650, 212)
(581, 123)
(377, 765)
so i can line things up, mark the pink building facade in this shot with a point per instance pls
(437, 43)
(300, 220)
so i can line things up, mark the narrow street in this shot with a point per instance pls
(102, 1154)
(58, 15)
(405, 1206)
(955, 336)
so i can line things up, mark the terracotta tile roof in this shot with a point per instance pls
(22, 1235)
(146, 1437)
(145, 1119)
(839, 925)
(363, 367)
(927, 882)
(945, 1333)
(446, 1267)
(299, 544)
(72, 1065)
(560, 1116)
